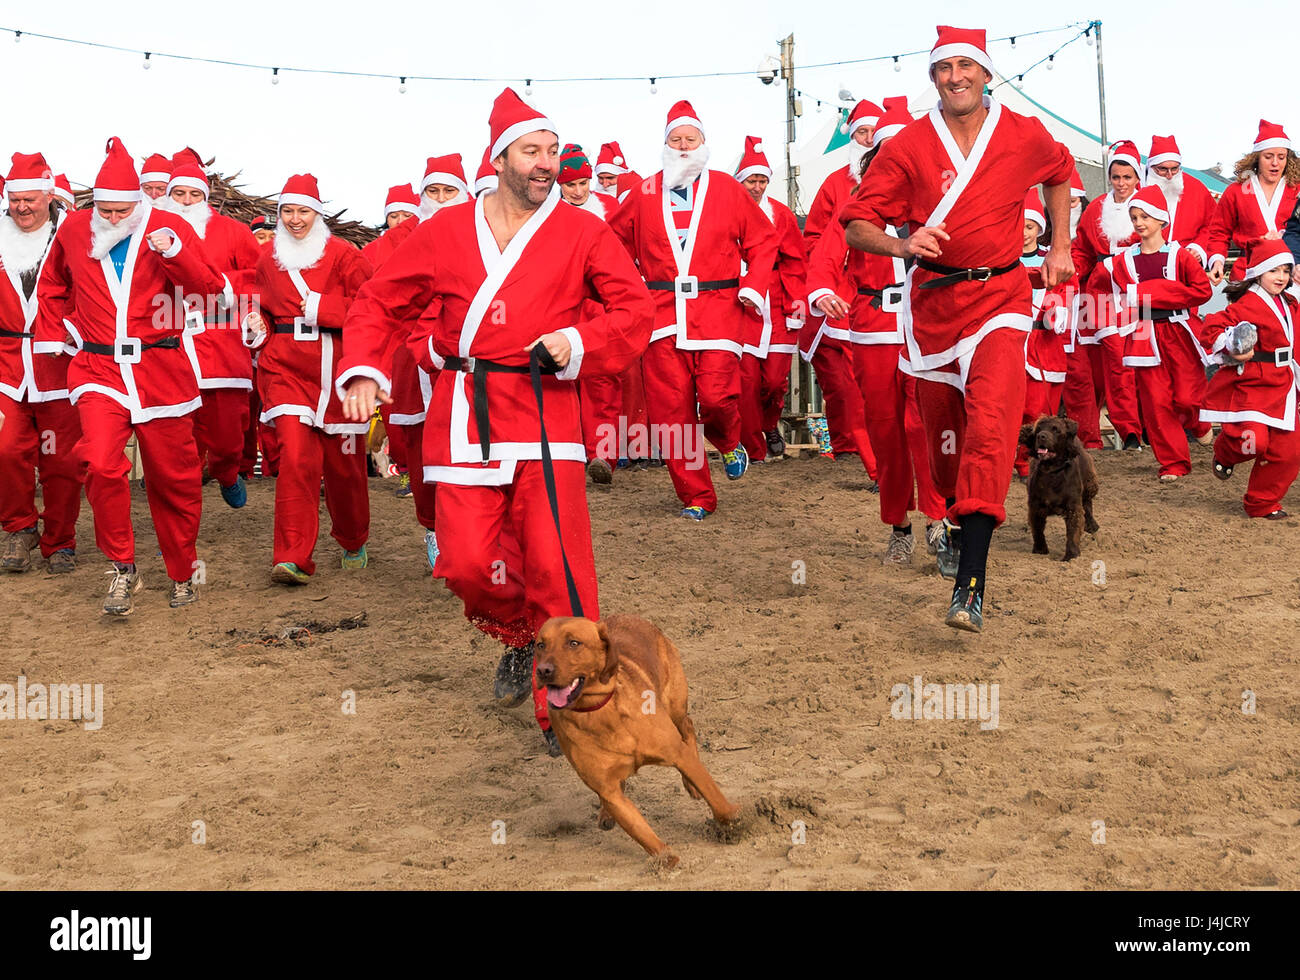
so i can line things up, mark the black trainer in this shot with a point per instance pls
(966, 611)
(944, 542)
(552, 744)
(514, 680)
(775, 444)
(1132, 443)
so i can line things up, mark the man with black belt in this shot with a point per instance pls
(967, 294)
(98, 297)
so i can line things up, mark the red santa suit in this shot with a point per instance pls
(1191, 206)
(128, 373)
(500, 552)
(1246, 215)
(963, 340)
(1255, 402)
(40, 428)
(298, 358)
(689, 244)
(1045, 349)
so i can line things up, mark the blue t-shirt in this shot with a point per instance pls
(118, 254)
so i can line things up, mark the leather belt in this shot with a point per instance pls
(480, 369)
(1280, 357)
(301, 331)
(127, 350)
(700, 286)
(950, 274)
(17, 334)
(878, 295)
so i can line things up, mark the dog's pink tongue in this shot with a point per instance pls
(558, 697)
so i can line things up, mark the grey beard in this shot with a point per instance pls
(104, 235)
(681, 168)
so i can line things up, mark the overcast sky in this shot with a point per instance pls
(1206, 74)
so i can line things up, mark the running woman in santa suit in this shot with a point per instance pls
(959, 177)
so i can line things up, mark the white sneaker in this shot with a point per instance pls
(900, 549)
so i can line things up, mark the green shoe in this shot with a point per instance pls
(353, 560)
(287, 573)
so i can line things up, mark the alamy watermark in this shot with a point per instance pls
(53, 702)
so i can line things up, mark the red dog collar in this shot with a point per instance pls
(595, 707)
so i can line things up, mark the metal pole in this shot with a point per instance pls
(1101, 89)
(791, 172)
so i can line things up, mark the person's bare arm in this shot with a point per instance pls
(1058, 267)
(925, 243)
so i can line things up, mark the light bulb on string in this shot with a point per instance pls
(275, 76)
(1020, 81)
(1013, 44)
(528, 86)
(1088, 36)
(18, 36)
(402, 86)
(1050, 59)
(147, 63)
(897, 66)
(653, 87)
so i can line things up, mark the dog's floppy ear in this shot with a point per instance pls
(1027, 435)
(611, 655)
(1071, 428)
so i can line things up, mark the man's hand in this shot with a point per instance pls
(1272, 236)
(361, 398)
(924, 243)
(833, 307)
(160, 241)
(1216, 272)
(556, 344)
(256, 323)
(1243, 357)
(748, 303)
(1058, 267)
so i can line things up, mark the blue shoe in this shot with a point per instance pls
(353, 560)
(737, 461)
(624, 462)
(431, 547)
(695, 513)
(944, 541)
(966, 611)
(236, 495)
(287, 573)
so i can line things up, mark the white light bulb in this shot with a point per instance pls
(1049, 64)
(402, 87)
(528, 87)
(653, 87)
(1089, 39)
(147, 63)
(275, 76)
(18, 36)
(897, 66)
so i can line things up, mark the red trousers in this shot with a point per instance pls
(1277, 461)
(307, 454)
(501, 556)
(1171, 394)
(601, 400)
(41, 437)
(396, 440)
(684, 390)
(411, 439)
(1121, 389)
(972, 438)
(634, 406)
(259, 432)
(1084, 391)
(1041, 398)
(832, 363)
(172, 476)
(220, 426)
(763, 383)
(893, 422)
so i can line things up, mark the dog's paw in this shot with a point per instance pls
(1092, 527)
(665, 860)
(1040, 549)
(1069, 556)
(605, 822)
(728, 828)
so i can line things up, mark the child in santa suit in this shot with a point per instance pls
(1254, 395)
(1155, 288)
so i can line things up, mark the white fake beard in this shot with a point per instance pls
(856, 152)
(1116, 225)
(292, 254)
(1075, 215)
(196, 214)
(1172, 187)
(104, 234)
(430, 207)
(22, 250)
(681, 167)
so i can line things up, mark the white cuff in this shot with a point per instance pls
(793, 323)
(226, 299)
(1209, 263)
(361, 371)
(312, 309)
(747, 292)
(817, 294)
(172, 252)
(47, 347)
(575, 355)
(1131, 294)
(1198, 252)
(436, 359)
(251, 340)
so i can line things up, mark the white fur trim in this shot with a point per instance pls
(961, 50)
(442, 177)
(361, 371)
(32, 184)
(412, 209)
(683, 121)
(110, 195)
(155, 177)
(571, 369)
(857, 122)
(756, 169)
(888, 132)
(610, 168)
(1037, 217)
(303, 199)
(1272, 144)
(192, 182)
(1151, 209)
(1160, 158)
(485, 185)
(519, 129)
(1282, 258)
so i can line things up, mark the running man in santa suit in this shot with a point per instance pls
(959, 177)
(689, 229)
(99, 296)
(512, 271)
(610, 165)
(213, 340)
(40, 427)
(1191, 206)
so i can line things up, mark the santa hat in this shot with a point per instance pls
(1271, 135)
(574, 164)
(681, 114)
(1268, 254)
(957, 42)
(189, 175)
(447, 170)
(1034, 209)
(401, 198)
(1124, 151)
(865, 113)
(117, 180)
(892, 122)
(486, 178)
(187, 155)
(301, 189)
(157, 169)
(63, 190)
(626, 181)
(1164, 149)
(611, 160)
(1151, 199)
(753, 160)
(512, 118)
(29, 172)
(1076, 184)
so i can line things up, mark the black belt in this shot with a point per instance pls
(949, 274)
(17, 334)
(1281, 357)
(702, 286)
(1163, 316)
(167, 343)
(877, 295)
(479, 369)
(283, 328)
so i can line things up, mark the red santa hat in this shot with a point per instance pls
(682, 114)
(1151, 199)
(63, 190)
(1267, 255)
(1271, 135)
(753, 160)
(401, 198)
(117, 180)
(187, 155)
(574, 164)
(157, 169)
(29, 172)
(865, 113)
(1124, 151)
(486, 178)
(1034, 209)
(626, 181)
(446, 169)
(891, 123)
(1076, 184)
(610, 160)
(957, 42)
(301, 189)
(1164, 149)
(189, 175)
(512, 118)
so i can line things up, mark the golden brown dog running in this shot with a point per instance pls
(617, 697)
